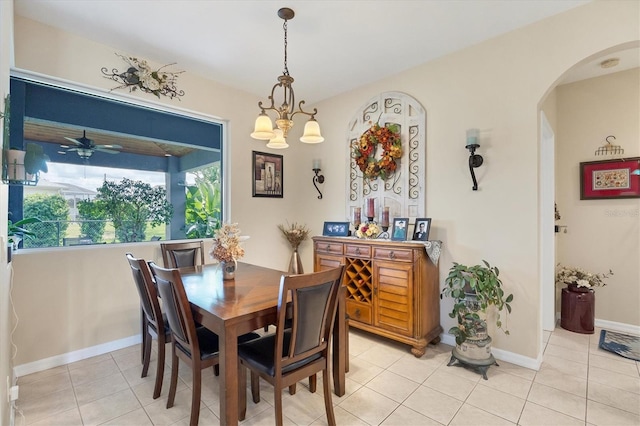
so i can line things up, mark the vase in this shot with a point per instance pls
(577, 312)
(229, 270)
(576, 289)
(295, 264)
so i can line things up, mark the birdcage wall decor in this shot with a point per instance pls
(608, 148)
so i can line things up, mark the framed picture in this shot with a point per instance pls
(421, 228)
(399, 230)
(267, 175)
(609, 179)
(336, 229)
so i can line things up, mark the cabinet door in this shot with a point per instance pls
(324, 262)
(393, 296)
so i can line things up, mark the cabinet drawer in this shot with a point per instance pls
(329, 248)
(359, 312)
(357, 250)
(390, 253)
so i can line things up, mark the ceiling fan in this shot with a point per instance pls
(85, 147)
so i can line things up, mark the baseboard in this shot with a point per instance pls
(69, 357)
(618, 326)
(502, 355)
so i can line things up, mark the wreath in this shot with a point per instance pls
(388, 138)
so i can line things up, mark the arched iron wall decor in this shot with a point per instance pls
(403, 191)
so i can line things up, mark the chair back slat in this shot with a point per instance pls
(314, 301)
(181, 255)
(176, 307)
(146, 289)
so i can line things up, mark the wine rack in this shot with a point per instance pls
(358, 278)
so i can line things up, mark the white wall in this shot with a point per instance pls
(495, 86)
(601, 234)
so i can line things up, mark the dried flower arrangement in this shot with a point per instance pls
(368, 230)
(226, 244)
(580, 277)
(294, 233)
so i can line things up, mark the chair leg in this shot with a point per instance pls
(313, 383)
(144, 329)
(255, 387)
(195, 393)
(216, 370)
(328, 405)
(174, 377)
(146, 351)
(242, 391)
(292, 389)
(277, 402)
(159, 367)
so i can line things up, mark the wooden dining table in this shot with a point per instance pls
(249, 302)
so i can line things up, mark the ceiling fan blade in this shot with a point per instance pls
(72, 149)
(112, 146)
(75, 141)
(107, 150)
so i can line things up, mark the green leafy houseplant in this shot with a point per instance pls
(16, 231)
(474, 289)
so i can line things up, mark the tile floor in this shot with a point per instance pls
(578, 384)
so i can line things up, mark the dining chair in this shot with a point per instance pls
(153, 322)
(292, 354)
(196, 346)
(180, 255)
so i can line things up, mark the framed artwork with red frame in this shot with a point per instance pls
(609, 179)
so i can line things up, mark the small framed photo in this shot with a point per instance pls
(336, 229)
(399, 230)
(609, 179)
(421, 229)
(267, 175)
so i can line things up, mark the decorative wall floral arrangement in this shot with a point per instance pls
(388, 138)
(140, 76)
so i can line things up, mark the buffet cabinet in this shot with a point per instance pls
(392, 287)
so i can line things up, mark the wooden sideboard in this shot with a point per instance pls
(392, 287)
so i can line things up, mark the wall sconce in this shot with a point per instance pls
(318, 178)
(475, 160)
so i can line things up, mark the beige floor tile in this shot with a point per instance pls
(536, 415)
(406, 417)
(362, 371)
(564, 366)
(516, 370)
(450, 384)
(615, 380)
(129, 349)
(383, 356)
(133, 375)
(94, 371)
(130, 359)
(461, 371)
(304, 407)
(144, 390)
(34, 377)
(621, 365)
(161, 415)
(468, 415)
(569, 342)
(267, 418)
(43, 406)
(369, 405)
(359, 342)
(558, 400)
(415, 369)
(563, 382)
(604, 415)
(392, 386)
(580, 356)
(508, 383)
(89, 361)
(433, 404)
(66, 418)
(105, 386)
(342, 416)
(45, 385)
(134, 418)
(614, 397)
(206, 418)
(496, 402)
(109, 407)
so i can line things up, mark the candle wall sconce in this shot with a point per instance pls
(318, 178)
(475, 160)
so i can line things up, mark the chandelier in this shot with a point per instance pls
(264, 129)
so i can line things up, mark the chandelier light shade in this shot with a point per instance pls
(263, 129)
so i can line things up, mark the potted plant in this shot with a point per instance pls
(475, 289)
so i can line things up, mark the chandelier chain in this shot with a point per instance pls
(286, 69)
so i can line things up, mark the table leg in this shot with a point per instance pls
(229, 377)
(340, 349)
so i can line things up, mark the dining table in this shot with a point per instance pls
(249, 302)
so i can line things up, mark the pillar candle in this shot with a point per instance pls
(371, 210)
(357, 216)
(385, 216)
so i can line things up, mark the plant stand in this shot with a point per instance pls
(475, 354)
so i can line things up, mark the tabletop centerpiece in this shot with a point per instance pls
(295, 235)
(226, 249)
(368, 230)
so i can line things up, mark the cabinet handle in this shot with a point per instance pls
(357, 313)
(328, 247)
(357, 250)
(392, 255)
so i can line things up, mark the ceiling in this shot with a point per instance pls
(333, 45)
